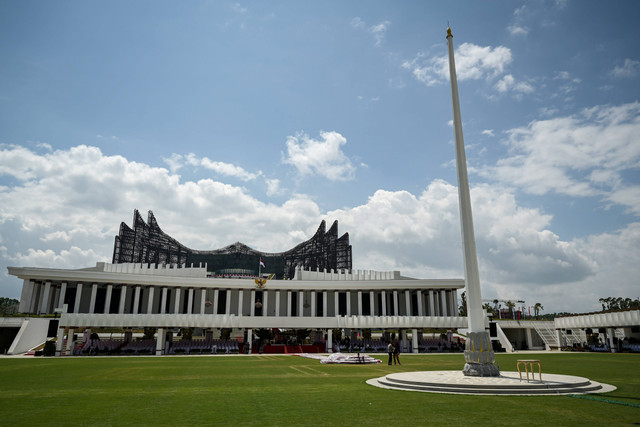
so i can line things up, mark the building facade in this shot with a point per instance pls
(157, 283)
(167, 297)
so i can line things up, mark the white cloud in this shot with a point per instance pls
(273, 187)
(177, 161)
(488, 132)
(66, 213)
(357, 23)
(630, 68)
(44, 145)
(323, 157)
(509, 84)
(378, 31)
(420, 235)
(571, 155)
(70, 258)
(238, 8)
(517, 30)
(473, 62)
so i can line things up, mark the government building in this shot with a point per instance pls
(157, 284)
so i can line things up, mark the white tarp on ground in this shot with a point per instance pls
(342, 358)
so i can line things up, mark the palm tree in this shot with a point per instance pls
(510, 305)
(536, 308)
(462, 310)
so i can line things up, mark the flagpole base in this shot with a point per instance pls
(479, 356)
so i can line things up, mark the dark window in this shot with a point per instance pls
(222, 302)
(319, 304)
(342, 303)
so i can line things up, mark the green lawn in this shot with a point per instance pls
(288, 390)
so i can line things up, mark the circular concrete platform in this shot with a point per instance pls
(508, 383)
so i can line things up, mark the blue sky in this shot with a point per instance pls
(253, 121)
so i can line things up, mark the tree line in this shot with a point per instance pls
(618, 303)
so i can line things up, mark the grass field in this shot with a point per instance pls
(289, 390)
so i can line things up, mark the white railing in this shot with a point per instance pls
(154, 269)
(301, 274)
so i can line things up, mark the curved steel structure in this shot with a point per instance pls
(147, 243)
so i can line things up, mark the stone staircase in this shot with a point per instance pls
(508, 383)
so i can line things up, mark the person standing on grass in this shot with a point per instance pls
(390, 350)
(396, 353)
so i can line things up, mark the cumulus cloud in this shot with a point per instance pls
(323, 157)
(514, 243)
(579, 155)
(473, 62)
(67, 208)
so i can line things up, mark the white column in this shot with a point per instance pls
(44, 307)
(216, 298)
(160, 341)
(528, 338)
(76, 305)
(38, 298)
(227, 309)
(70, 342)
(414, 340)
(336, 300)
(63, 292)
(454, 298)
(176, 307)
(203, 301)
(136, 299)
(150, 301)
(123, 298)
(432, 311)
(443, 303)
(559, 338)
(407, 301)
(288, 303)
(107, 299)
(325, 302)
(265, 300)
(240, 301)
(384, 303)
(313, 303)
(163, 300)
(33, 299)
(25, 296)
(348, 303)
(395, 303)
(420, 302)
(190, 302)
(253, 302)
(329, 340)
(372, 302)
(359, 303)
(610, 335)
(301, 303)
(250, 339)
(92, 303)
(59, 341)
